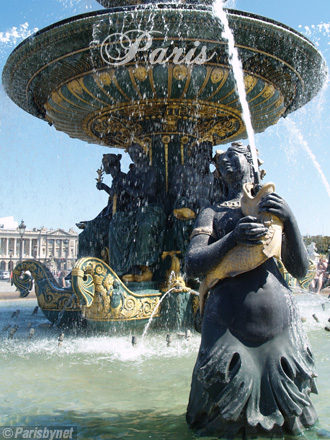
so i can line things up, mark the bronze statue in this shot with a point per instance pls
(191, 191)
(136, 232)
(93, 241)
(255, 370)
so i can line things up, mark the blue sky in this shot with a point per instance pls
(48, 179)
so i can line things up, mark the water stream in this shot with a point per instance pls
(236, 64)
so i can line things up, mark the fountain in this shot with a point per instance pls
(154, 79)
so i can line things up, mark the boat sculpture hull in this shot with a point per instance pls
(99, 299)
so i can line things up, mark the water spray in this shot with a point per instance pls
(236, 64)
(60, 339)
(31, 333)
(12, 332)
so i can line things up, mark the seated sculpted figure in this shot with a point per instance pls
(93, 241)
(136, 232)
(191, 190)
(255, 371)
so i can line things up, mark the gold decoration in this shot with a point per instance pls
(195, 304)
(104, 78)
(56, 97)
(141, 73)
(249, 82)
(268, 91)
(100, 173)
(180, 72)
(279, 102)
(50, 296)
(184, 214)
(184, 141)
(75, 87)
(111, 300)
(166, 140)
(174, 279)
(217, 75)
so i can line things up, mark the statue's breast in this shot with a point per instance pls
(225, 221)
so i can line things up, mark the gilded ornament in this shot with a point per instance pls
(141, 73)
(217, 75)
(180, 72)
(104, 297)
(279, 102)
(249, 82)
(104, 78)
(75, 87)
(268, 91)
(56, 97)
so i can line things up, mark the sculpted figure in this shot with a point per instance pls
(255, 371)
(191, 190)
(93, 241)
(136, 232)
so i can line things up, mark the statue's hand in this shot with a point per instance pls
(276, 205)
(249, 231)
(100, 186)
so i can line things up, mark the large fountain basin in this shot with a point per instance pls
(62, 75)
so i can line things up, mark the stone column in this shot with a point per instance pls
(15, 248)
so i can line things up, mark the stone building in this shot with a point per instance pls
(57, 248)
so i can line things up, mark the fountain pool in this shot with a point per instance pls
(109, 389)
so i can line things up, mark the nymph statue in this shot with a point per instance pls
(93, 241)
(137, 229)
(255, 370)
(191, 191)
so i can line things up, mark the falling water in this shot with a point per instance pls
(153, 313)
(236, 64)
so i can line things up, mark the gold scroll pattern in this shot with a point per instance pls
(111, 299)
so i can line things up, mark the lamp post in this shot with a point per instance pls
(10, 263)
(10, 259)
(66, 251)
(21, 230)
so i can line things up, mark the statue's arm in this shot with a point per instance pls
(294, 253)
(204, 250)
(103, 187)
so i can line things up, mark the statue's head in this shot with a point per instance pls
(235, 163)
(137, 154)
(111, 163)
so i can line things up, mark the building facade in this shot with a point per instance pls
(57, 249)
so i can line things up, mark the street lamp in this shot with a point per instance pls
(10, 263)
(21, 230)
(10, 259)
(66, 252)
